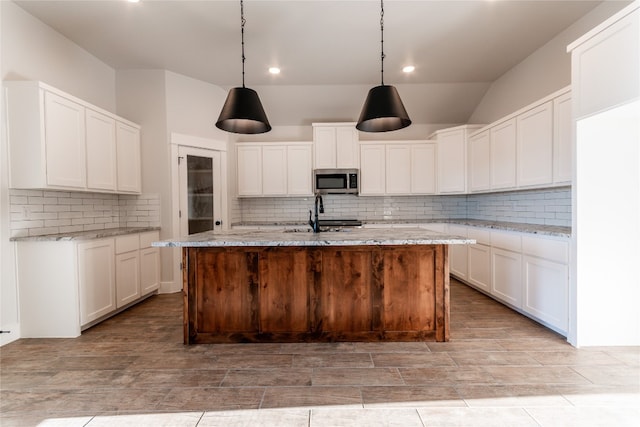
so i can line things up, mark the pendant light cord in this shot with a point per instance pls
(382, 42)
(242, 22)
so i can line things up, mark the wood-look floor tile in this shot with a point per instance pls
(392, 347)
(574, 357)
(535, 375)
(89, 363)
(404, 360)
(610, 375)
(332, 360)
(493, 358)
(446, 375)
(601, 395)
(261, 417)
(318, 347)
(522, 396)
(465, 345)
(171, 378)
(211, 399)
(252, 361)
(477, 417)
(44, 420)
(312, 397)
(268, 377)
(411, 396)
(356, 376)
(163, 361)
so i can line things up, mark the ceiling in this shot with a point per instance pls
(328, 51)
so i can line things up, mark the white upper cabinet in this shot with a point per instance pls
(128, 158)
(609, 53)
(101, 151)
(452, 158)
(372, 170)
(535, 146)
(299, 170)
(423, 168)
(398, 168)
(335, 146)
(562, 140)
(480, 161)
(398, 175)
(503, 155)
(57, 141)
(274, 170)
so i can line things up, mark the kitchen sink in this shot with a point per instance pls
(322, 230)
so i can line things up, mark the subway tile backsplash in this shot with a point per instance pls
(41, 212)
(544, 207)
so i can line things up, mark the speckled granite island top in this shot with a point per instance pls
(300, 237)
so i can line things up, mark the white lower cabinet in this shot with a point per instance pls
(479, 273)
(67, 286)
(458, 254)
(506, 280)
(96, 281)
(127, 269)
(546, 281)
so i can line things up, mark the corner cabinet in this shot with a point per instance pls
(335, 146)
(274, 169)
(452, 158)
(57, 141)
(68, 286)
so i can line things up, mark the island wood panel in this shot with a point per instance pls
(297, 294)
(286, 279)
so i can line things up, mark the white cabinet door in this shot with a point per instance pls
(535, 146)
(503, 155)
(127, 278)
(423, 168)
(347, 147)
(372, 169)
(274, 170)
(452, 162)
(458, 254)
(606, 66)
(149, 270)
(546, 291)
(480, 161)
(299, 170)
(506, 283)
(128, 155)
(101, 151)
(479, 273)
(65, 142)
(324, 141)
(249, 170)
(398, 169)
(96, 279)
(562, 140)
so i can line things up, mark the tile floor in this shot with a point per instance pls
(499, 368)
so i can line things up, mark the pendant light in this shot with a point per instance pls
(242, 112)
(383, 110)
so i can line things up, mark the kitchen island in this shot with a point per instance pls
(296, 286)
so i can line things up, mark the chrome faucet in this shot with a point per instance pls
(315, 225)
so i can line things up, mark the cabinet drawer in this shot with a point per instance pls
(481, 236)
(127, 243)
(506, 240)
(551, 249)
(147, 238)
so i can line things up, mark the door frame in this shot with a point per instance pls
(176, 141)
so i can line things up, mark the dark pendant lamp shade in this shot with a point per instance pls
(383, 111)
(243, 113)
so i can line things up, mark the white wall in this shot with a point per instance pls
(33, 51)
(543, 72)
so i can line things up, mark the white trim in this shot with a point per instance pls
(198, 142)
(604, 25)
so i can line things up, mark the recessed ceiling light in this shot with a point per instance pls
(274, 70)
(408, 69)
(133, 1)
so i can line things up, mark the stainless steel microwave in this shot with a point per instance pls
(336, 181)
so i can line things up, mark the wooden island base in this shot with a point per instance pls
(309, 294)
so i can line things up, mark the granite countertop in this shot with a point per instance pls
(546, 230)
(302, 237)
(85, 235)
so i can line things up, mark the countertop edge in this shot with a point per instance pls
(84, 235)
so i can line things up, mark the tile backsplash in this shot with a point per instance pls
(40, 212)
(544, 207)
